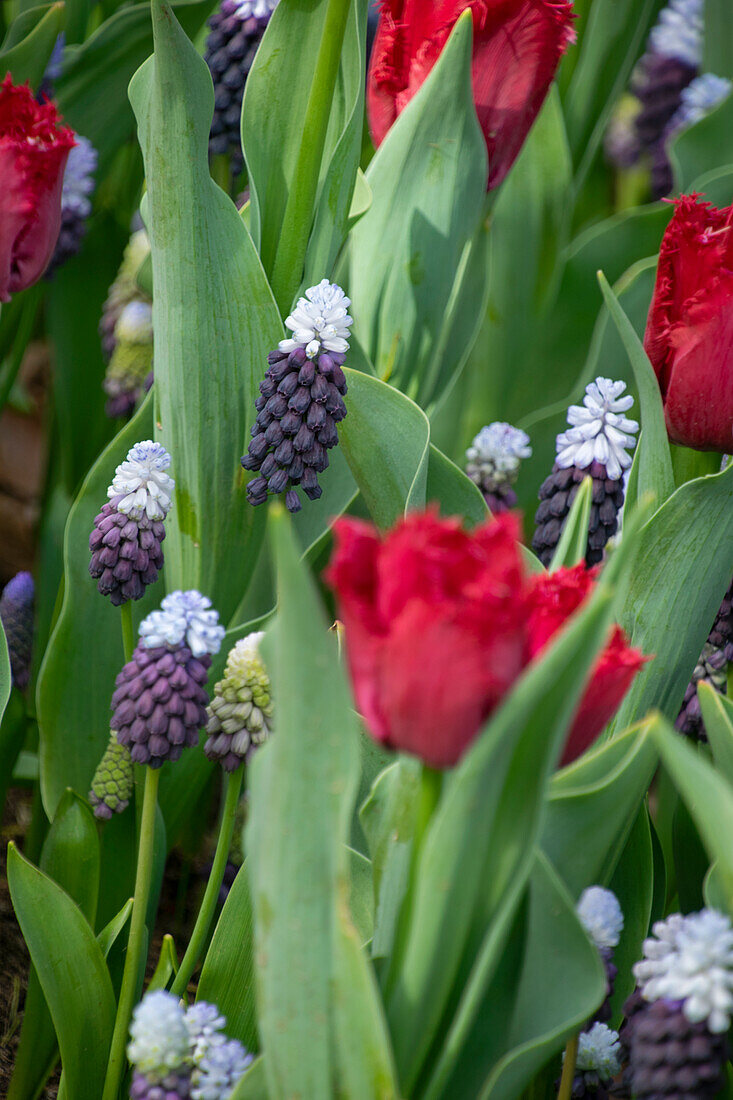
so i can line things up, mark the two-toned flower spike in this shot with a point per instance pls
(493, 461)
(240, 712)
(301, 399)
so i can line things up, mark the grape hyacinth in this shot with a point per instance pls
(159, 703)
(130, 371)
(600, 914)
(17, 604)
(597, 445)
(235, 32)
(240, 712)
(76, 206)
(53, 69)
(598, 1062)
(127, 535)
(493, 460)
(711, 668)
(113, 781)
(301, 399)
(124, 388)
(679, 1015)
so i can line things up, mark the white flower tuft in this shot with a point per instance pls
(701, 96)
(599, 1053)
(204, 1025)
(219, 1070)
(599, 432)
(690, 959)
(320, 321)
(159, 1039)
(142, 483)
(679, 32)
(135, 323)
(494, 457)
(259, 8)
(184, 616)
(600, 914)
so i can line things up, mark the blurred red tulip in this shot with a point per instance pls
(689, 331)
(517, 46)
(33, 153)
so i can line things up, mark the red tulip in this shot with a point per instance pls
(33, 153)
(689, 331)
(554, 598)
(438, 625)
(517, 46)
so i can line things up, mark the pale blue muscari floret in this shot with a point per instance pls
(135, 323)
(159, 1040)
(679, 31)
(599, 1054)
(219, 1070)
(320, 321)
(259, 8)
(204, 1026)
(701, 96)
(184, 616)
(78, 183)
(599, 432)
(600, 914)
(494, 457)
(142, 482)
(690, 959)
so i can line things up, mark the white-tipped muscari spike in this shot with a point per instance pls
(599, 1052)
(495, 455)
(259, 8)
(690, 959)
(135, 323)
(599, 432)
(678, 32)
(142, 482)
(159, 1040)
(600, 914)
(184, 616)
(320, 321)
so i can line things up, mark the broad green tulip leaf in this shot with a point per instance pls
(309, 1001)
(448, 486)
(683, 567)
(72, 973)
(718, 39)
(591, 806)
(708, 796)
(705, 146)
(29, 43)
(654, 473)
(215, 321)
(481, 838)
(70, 857)
(428, 182)
(166, 967)
(74, 724)
(690, 860)
(361, 895)
(574, 539)
(717, 714)
(633, 884)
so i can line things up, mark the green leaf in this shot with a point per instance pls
(428, 181)
(654, 458)
(215, 321)
(167, 965)
(309, 1002)
(108, 936)
(717, 714)
(690, 860)
(591, 806)
(456, 494)
(718, 39)
(683, 567)
(633, 884)
(574, 539)
(705, 146)
(72, 973)
(253, 1086)
(708, 796)
(361, 895)
(29, 43)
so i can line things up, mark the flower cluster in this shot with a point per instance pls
(182, 1053)
(76, 205)
(128, 348)
(113, 781)
(17, 604)
(439, 623)
(240, 712)
(600, 914)
(493, 460)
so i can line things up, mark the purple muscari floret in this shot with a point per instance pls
(176, 1085)
(76, 206)
(16, 613)
(53, 70)
(219, 1070)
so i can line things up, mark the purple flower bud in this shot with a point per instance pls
(16, 613)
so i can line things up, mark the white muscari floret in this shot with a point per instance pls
(159, 1040)
(259, 8)
(600, 914)
(599, 432)
(679, 31)
(494, 457)
(690, 959)
(135, 323)
(699, 97)
(78, 182)
(204, 1026)
(320, 321)
(599, 1053)
(219, 1070)
(142, 482)
(184, 616)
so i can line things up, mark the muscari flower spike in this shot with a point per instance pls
(235, 32)
(159, 1038)
(113, 781)
(160, 697)
(17, 604)
(598, 1060)
(76, 206)
(596, 444)
(493, 461)
(600, 914)
(301, 399)
(712, 669)
(127, 535)
(240, 712)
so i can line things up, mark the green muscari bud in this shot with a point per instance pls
(113, 782)
(240, 712)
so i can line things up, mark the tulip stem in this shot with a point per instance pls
(565, 1091)
(133, 958)
(128, 634)
(213, 886)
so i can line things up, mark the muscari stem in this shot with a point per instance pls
(565, 1091)
(128, 634)
(133, 958)
(213, 886)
